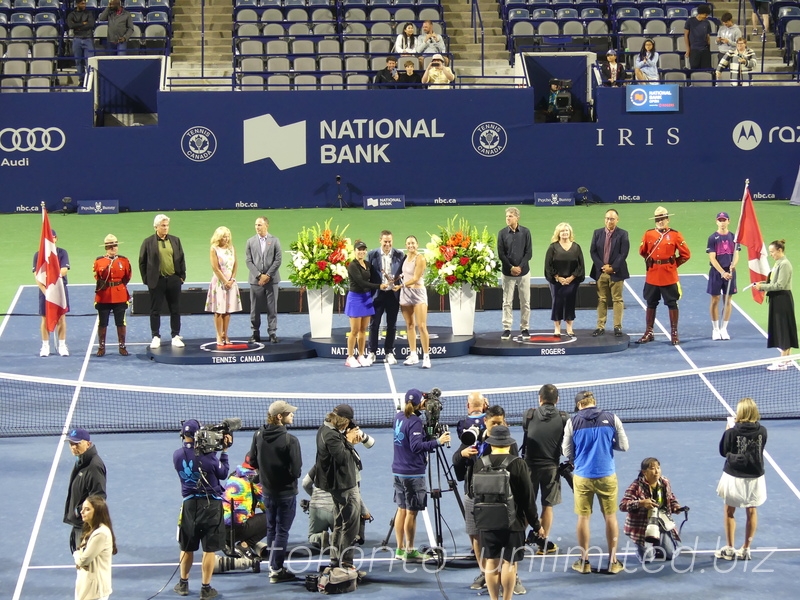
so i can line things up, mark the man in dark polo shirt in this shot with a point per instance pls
(163, 269)
(697, 33)
(514, 249)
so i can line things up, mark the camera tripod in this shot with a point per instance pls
(435, 492)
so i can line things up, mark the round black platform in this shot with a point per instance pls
(546, 344)
(203, 352)
(443, 343)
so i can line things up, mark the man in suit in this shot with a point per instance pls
(609, 252)
(263, 259)
(163, 269)
(386, 265)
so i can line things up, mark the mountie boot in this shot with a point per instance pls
(650, 319)
(101, 338)
(121, 336)
(673, 325)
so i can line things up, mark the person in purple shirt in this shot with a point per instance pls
(723, 254)
(410, 460)
(61, 326)
(201, 518)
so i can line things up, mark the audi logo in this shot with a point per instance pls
(37, 139)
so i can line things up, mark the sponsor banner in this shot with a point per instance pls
(384, 202)
(554, 199)
(653, 98)
(98, 207)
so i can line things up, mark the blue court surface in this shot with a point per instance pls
(144, 492)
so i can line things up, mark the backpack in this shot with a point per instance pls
(494, 501)
(335, 580)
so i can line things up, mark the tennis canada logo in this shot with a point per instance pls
(747, 135)
(199, 144)
(489, 139)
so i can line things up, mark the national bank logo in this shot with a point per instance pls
(747, 135)
(285, 145)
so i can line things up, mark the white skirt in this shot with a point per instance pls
(742, 492)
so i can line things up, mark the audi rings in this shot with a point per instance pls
(37, 139)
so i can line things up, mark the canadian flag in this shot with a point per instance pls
(749, 234)
(48, 273)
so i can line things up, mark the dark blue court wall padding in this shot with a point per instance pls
(285, 149)
(128, 86)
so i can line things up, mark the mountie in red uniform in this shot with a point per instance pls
(664, 250)
(112, 274)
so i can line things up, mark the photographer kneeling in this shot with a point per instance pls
(408, 467)
(201, 518)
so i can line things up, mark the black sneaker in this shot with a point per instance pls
(208, 592)
(182, 588)
(282, 575)
(618, 331)
(597, 332)
(525, 333)
(548, 548)
(506, 334)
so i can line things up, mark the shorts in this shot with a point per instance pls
(742, 492)
(719, 286)
(201, 521)
(412, 296)
(763, 7)
(469, 518)
(605, 488)
(43, 302)
(410, 493)
(546, 479)
(502, 544)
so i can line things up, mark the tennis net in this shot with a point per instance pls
(31, 406)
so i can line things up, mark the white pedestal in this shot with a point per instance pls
(320, 311)
(462, 310)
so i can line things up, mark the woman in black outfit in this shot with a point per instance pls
(359, 305)
(564, 270)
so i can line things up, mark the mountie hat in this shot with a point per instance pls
(280, 407)
(110, 240)
(344, 410)
(78, 435)
(414, 396)
(190, 427)
(723, 215)
(500, 436)
(661, 213)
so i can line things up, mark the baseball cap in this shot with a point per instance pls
(78, 435)
(344, 410)
(611, 52)
(414, 396)
(280, 407)
(190, 427)
(581, 396)
(360, 245)
(723, 215)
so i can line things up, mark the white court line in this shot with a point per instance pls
(719, 397)
(10, 310)
(53, 467)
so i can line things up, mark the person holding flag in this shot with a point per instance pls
(50, 266)
(781, 323)
(723, 254)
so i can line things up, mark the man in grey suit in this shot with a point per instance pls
(263, 259)
(609, 252)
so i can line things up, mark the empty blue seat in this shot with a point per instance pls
(24, 5)
(45, 18)
(19, 18)
(294, 3)
(566, 13)
(653, 13)
(677, 12)
(137, 17)
(246, 3)
(543, 13)
(160, 4)
(591, 13)
(269, 3)
(135, 5)
(518, 14)
(5, 4)
(628, 12)
(49, 5)
(157, 16)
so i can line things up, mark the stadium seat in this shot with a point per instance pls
(597, 27)
(277, 47)
(380, 46)
(357, 63)
(329, 47)
(252, 64)
(278, 64)
(634, 43)
(303, 47)
(53, 5)
(669, 61)
(627, 12)
(45, 18)
(269, 30)
(523, 34)
(653, 13)
(155, 37)
(279, 83)
(39, 84)
(357, 81)
(44, 50)
(267, 3)
(5, 5)
(297, 15)
(246, 3)
(305, 63)
(677, 12)
(326, 29)
(135, 5)
(655, 27)
(591, 13)
(318, 3)
(12, 84)
(246, 15)
(572, 28)
(680, 44)
(702, 79)
(629, 27)
(41, 67)
(247, 47)
(566, 13)
(330, 63)
(272, 15)
(100, 34)
(252, 83)
(356, 46)
(294, 2)
(305, 82)
(319, 15)
(380, 14)
(403, 15)
(354, 2)
(664, 43)
(331, 82)
(429, 14)
(20, 18)
(137, 17)
(159, 4)
(376, 63)
(355, 14)
(404, 2)
(678, 77)
(24, 5)
(47, 32)
(382, 30)
(15, 66)
(518, 14)
(677, 26)
(21, 32)
(298, 29)
(543, 13)
(380, 2)
(157, 16)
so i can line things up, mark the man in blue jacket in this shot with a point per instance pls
(609, 252)
(386, 267)
(590, 438)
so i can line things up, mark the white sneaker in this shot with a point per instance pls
(364, 361)
(390, 359)
(352, 362)
(45, 351)
(62, 349)
(743, 554)
(716, 334)
(156, 342)
(726, 553)
(177, 342)
(411, 360)
(778, 366)
(724, 335)
(426, 361)
(370, 359)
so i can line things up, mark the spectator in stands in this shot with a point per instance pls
(742, 61)
(762, 8)
(163, 269)
(112, 274)
(727, 34)
(120, 27)
(223, 292)
(646, 62)
(697, 33)
(430, 42)
(81, 22)
(613, 73)
(388, 77)
(438, 76)
(410, 79)
(61, 325)
(407, 41)
(564, 271)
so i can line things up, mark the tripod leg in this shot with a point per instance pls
(385, 542)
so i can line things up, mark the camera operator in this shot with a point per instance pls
(551, 104)
(408, 467)
(276, 455)
(544, 432)
(201, 518)
(476, 413)
(337, 472)
(464, 461)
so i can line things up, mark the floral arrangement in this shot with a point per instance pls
(461, 254)
(320, 257)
